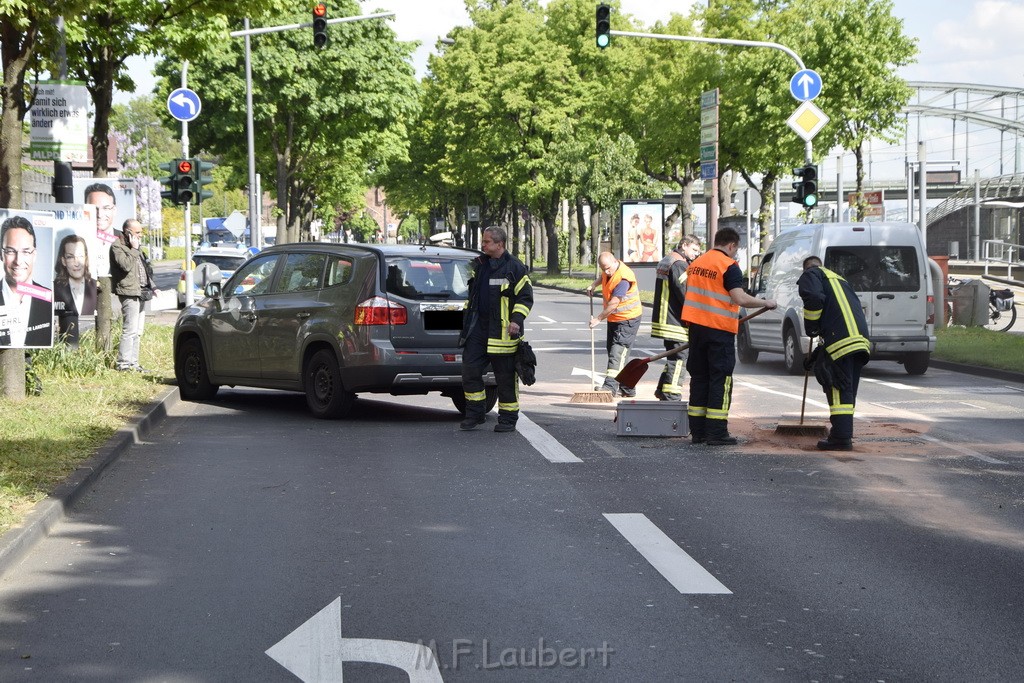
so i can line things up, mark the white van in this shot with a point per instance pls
(887, 266)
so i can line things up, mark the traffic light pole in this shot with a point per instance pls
(255, 230)
(189, 274)
(808, 149)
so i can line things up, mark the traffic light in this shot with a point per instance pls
(319, 25)
(186, 182)
(805, 189)
(202, 169)
(168, 184)
(604, 25)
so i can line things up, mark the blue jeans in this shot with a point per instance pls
(132, 320)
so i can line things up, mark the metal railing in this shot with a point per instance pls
(1000, 252)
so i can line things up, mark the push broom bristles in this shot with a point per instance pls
(592, 397)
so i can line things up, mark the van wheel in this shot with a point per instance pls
(459, 400)
(916, 363)
(191, 372)
(744, 353)
(792, 354)
(326, 395)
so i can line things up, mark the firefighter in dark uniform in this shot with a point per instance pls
(714, 293)
(500, 298)
(669, 294)
(833, 312)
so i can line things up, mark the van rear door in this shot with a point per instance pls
(889, 281)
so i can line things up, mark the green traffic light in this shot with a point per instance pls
(602, 40)
(810, 200)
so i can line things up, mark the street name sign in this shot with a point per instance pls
(805, 85)
(183, 104)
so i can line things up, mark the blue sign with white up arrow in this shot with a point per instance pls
(184, 104)
(805, 85)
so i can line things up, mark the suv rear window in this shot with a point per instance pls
(428, 277)
(876, 268)
(229, 263)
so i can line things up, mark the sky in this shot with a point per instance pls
(961, 41)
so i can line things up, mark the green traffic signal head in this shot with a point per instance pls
(604, 25)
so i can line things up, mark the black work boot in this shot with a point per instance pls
(718, 434)
(697, 433)
(831, 444)
(503, 426)
(471, 422)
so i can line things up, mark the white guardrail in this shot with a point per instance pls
(1002, 253)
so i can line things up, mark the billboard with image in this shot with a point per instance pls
(643, 238)
(26, 291)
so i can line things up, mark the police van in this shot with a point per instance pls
(888, 267)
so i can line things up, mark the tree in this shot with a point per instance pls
(863, 45)
(327, 121)
(118, 29)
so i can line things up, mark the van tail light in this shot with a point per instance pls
(931, 310)
(380, 311)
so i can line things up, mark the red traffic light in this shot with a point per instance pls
(320, 10)
(185, 166)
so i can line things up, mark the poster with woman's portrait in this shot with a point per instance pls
(26, 291)
(79, 256)
(643, 238)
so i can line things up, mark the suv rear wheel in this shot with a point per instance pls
(190, 371)
(459, 400)
(326, 395)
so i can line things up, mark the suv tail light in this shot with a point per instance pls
(380, 311)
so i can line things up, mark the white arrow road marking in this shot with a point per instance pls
(671, 561)
(546, 319)
(181, 100)
(545, 444)
(315, 651)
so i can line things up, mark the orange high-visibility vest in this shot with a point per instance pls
(629, 306)
(707, 301)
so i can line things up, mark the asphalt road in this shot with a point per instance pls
(562, 552)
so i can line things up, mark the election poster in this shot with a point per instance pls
(26, 292)
(114, 199)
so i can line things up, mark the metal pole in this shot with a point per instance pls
(189, 274)
(922, 162)
(839, 189)
(255, 238)
(977, 215)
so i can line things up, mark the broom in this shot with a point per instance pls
(800, 428)
(635, 369)
(595, 396)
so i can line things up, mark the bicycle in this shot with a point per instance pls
(1002, 312)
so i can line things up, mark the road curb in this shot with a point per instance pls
(977, 370)
(16, 542)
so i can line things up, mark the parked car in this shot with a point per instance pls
(226, 258)
(332, 321)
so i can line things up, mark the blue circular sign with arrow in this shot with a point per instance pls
(805, 85)
(184, 104)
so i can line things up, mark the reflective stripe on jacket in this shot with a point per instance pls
(629, 306)
(669, 295)
(833, 311)
(707, 302)
(510, 300)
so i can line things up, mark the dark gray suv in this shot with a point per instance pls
(330, 320)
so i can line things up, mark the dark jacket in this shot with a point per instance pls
(669, 295)
(510, 299)
(833, 312)
(40, 323)
(123, 269)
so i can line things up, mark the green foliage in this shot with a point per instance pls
(978, 346)
(327, 121)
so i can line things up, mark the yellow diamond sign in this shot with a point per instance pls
(807, 120)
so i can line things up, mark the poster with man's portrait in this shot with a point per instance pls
(78, 259)
(114, 199)
(26, 291)
(642, 231)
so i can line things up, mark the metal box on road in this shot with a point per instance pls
(651, 418)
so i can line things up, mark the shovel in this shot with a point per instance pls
(635, 369)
